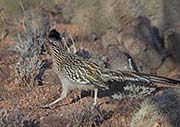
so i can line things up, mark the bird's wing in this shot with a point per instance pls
(120, 76)
(84, 72)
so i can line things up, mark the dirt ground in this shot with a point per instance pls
(20, 105)
(111, 46)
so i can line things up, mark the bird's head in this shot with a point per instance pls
(58, 41)
(55, 38)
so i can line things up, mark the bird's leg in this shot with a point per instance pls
(63, 95)
(95, 96)
(80, 92)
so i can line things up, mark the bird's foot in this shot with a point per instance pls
(46, 106)
(94, 106)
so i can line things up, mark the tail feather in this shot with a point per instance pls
(163, 80)
(137, 77)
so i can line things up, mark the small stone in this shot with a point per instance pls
(168, 66)
(132, 45)
(109, 38)
(117, 59)
(50, 77)
(155, 58)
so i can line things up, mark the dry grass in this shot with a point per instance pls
(28, 49)
(163, 109)
(15, 118)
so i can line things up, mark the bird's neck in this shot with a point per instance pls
(59, 55)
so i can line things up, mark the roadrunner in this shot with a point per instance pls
(77, 73)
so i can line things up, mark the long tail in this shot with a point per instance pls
(160, 79)
(123, 76)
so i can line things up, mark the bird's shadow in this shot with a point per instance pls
(116, 87)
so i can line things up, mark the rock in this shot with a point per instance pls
(162, 108)
(132, 46)
(50, 77)
(155, 58)
(117, 59)
(172, 43)
(84, 54)
(109, 38)
(168, 66)
(54, 121)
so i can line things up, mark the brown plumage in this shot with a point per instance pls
(75, 72)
